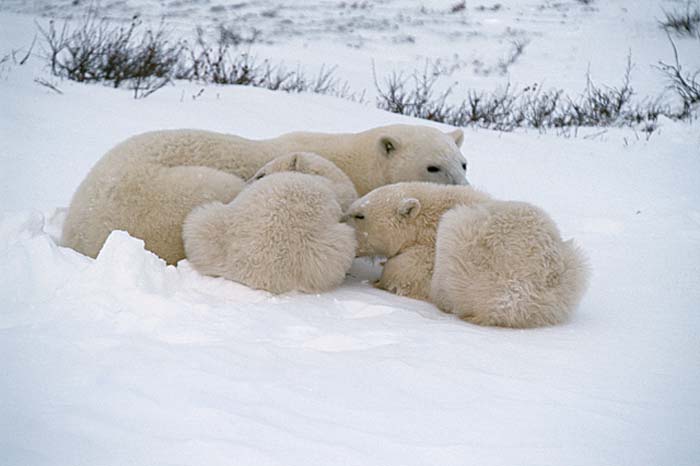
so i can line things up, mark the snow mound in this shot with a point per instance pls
(124, 262)
(123, 359)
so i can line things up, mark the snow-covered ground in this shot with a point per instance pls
(122, 360)
(563, 40)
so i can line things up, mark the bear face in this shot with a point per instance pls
(419, 153)
(384, 221)
(395, 217)
(312, 164)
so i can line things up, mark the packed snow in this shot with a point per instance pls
(124, 360)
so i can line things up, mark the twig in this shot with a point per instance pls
(29, 52)
(43, 82)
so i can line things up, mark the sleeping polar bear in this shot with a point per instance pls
(148, 184)
(281, 233)
(313, 164)
(489, 262)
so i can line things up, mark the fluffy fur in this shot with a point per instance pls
(148, 183)
(149, 202)
(505, 264)
(489, 262)
(282, 233)
(400, 222)
(313, 164)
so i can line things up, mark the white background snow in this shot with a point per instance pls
(122, 360)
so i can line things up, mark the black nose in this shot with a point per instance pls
(433, 169)
(464, 166)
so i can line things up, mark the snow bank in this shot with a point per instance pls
(123, 359)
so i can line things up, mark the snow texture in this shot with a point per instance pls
(124, 360)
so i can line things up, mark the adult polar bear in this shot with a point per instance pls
(148, 184)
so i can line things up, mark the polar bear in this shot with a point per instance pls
(313, 164)
(147, 184)
(489, 262)
(504, 264)
(399, 222)
(282, 233)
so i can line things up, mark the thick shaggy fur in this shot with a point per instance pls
(282, 233)
(490, 262)
(148, 183)
(400, 222)
(148, 201)
(505, 264)
(313, 164)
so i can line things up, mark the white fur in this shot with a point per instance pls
(282, 233)
(148, 183)
(490, 262)
(313, 164)
(505, 264)
(400, 223)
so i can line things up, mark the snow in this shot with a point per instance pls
(124, 360)
(564, 40)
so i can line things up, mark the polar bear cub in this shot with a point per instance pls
(399, 222)
(281, 233)
(489, 262)
(505, 264)
(313, 164)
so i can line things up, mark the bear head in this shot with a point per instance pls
(420, 153)
(386, 220)
(309, 163)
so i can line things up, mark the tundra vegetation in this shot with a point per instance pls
(145, 59)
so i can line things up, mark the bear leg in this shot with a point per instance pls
(409, 273)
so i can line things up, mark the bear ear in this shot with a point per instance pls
(294, 163)
(409, 207)
(458, 136)
(260, 174)
(388, 145)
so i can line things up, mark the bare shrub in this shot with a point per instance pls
(598, 106)
(685, 85)
(494, 7)
(48, 85)
(540, 109)
(216, 64)
(683, 22)
(96, 51)
(229, 35)
(144, 62)
(517, 49)
(414, 95)
(224, 63)
(395, 97)
(494, 110)
(508, 108)
(459, 6)
(18, 56)
(122, 56)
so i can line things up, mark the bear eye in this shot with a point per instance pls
(433, 169)
(259, 176)
(464, 166)
(359, 216)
